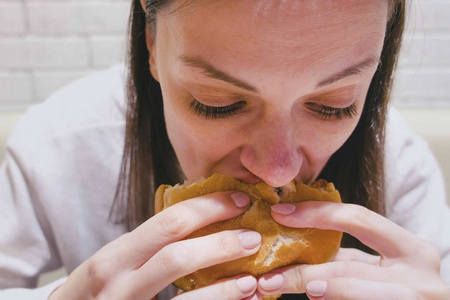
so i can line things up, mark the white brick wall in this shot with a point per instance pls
(423, 77)
(45, 44)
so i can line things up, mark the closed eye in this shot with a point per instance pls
(215, 112)
(328, 112)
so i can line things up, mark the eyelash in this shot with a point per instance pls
(328, 112)
(223, 112)
(215, 112)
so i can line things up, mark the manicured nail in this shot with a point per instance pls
(271, 282)
(250, 239)
(246, 284)
(284, 209)
(240, 199)
(316, 288)
(254, 297)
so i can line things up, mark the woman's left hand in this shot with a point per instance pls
(407, 268)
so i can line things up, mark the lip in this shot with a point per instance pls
(253, 179)
(250, 178)
(305, 180)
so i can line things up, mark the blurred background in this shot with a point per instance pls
(45, 44)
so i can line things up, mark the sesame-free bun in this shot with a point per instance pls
(281, 246)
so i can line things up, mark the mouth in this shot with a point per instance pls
(246, 175)
(250, 178)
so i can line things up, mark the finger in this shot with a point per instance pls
(294, 279)
(179, 259)
(234, 288)
(255, 296)
(350, 254)
(181, 219)
(373, 230)
(354, 289)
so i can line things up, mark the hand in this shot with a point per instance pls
(139, 264)
(407, 268)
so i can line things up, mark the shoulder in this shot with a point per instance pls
(65, 156)
(403, 146)
(98, 98)
(68, 149)
(412, 174)
(398, 133)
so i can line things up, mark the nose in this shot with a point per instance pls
(272, 153)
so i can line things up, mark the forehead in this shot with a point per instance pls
(285, 34)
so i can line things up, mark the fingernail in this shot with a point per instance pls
(271, 282)
(240, 199)
(250, 239)
(284, 209)
(246, 284)
(316, 288)
(254, 297)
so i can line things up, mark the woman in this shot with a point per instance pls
(269, 91)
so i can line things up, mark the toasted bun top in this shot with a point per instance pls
(320, 190)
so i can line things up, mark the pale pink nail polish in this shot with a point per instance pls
(271, 282)
(250, 239)
(254, 297)
(246, 284)
(316, 288)
(284, 209)
(240, 199)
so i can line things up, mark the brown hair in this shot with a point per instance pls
(149, 159)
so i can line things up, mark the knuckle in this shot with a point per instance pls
(341, 269)
(173, 223)
(356, 213)
(348, 268)
(215, 202)
(296, 279)
(229, 290)
(230, 245)
(430, 254)
(99, 272)
(359, 216)
(171, 262)
(424, 254)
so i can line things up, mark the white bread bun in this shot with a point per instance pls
(281, 246)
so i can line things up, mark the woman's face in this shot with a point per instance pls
(264, 89)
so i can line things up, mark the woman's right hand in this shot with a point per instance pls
(141, 263)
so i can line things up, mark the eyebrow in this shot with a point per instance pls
(356, 69)
(213, 72)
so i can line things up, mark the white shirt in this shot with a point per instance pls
(59, 177)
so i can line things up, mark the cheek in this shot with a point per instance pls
(198, 144)
(199, 149)
(323, 139)
(332, 135)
